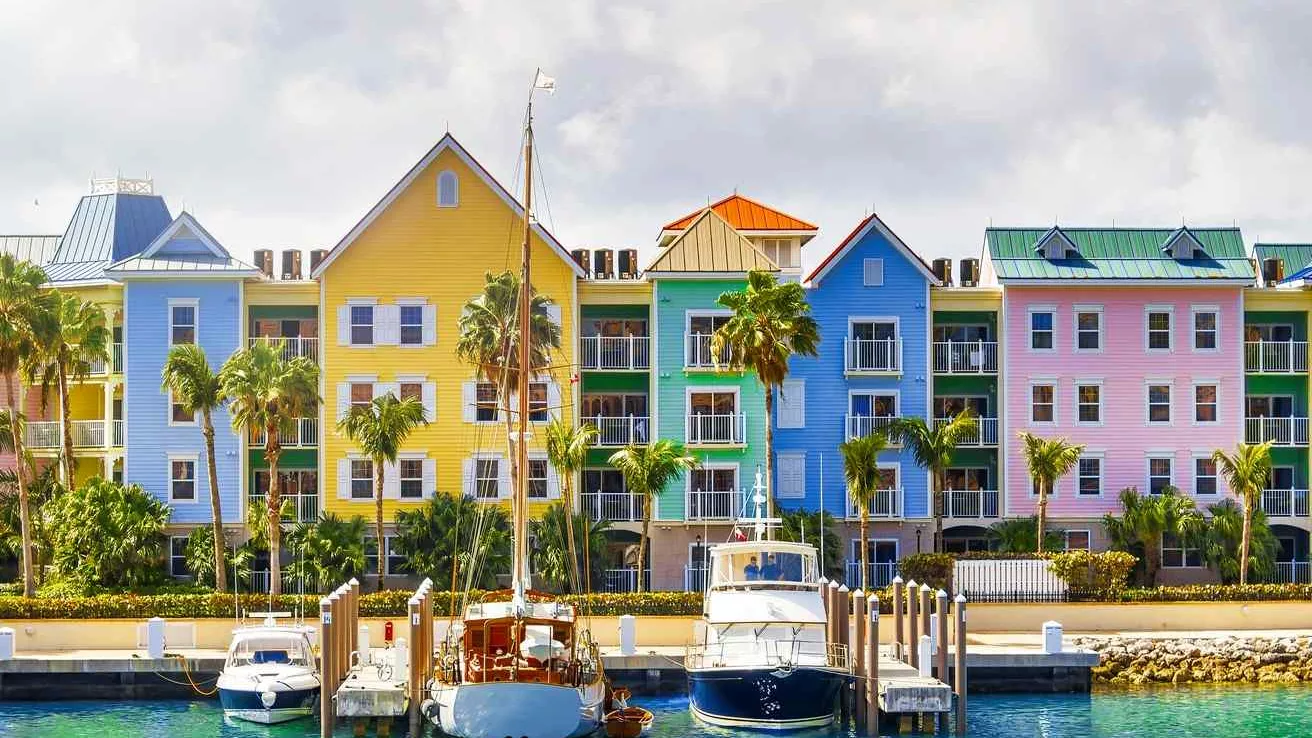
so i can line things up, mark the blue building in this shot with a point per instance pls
(871, 299)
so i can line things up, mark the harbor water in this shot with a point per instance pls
(1211, 712)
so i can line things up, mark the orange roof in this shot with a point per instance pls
(745, 214)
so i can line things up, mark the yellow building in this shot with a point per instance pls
(391, 296)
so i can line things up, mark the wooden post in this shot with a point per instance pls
(824, 598)
(941, 607)
(842, 601)
(415, 647)
(326, 626)
(872, 670)
(898, 604)
(960, 664)
(831, 620)
(858, 654)
(913, 623)
(925, 609)
(427, 655)
(354, 635)
(339, 636)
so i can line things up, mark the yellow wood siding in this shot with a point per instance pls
(966, 298)
(276, 292)
(415, 249)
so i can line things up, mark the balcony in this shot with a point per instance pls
(299, 508)
(617, 507)
(714, 505)
(695, 578)
(966, 357)
(878, 574)
(117, 355)
(616, 353)
(612, 431)
(860, 426)
(986, 434)
(697, 353)
(305, 434)
(1285, 503)
(886, 504)
(717, 430)
(970, 503)
(47, 434)
(1275, 357)
(872, 356)
(623, 580)
(291, 347)
(1293, 572)
(1279, 431)
(120, 433)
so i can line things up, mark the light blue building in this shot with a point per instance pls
(871, 299)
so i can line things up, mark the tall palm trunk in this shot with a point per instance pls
(216, 505)
(769, 459)
(865, 545)
(273, 454)
(1043, 513)
(20, 468)
(939, 500)
(1245, 539)
(568, 484)
(378, 520)
(642, 546)
(66, 423)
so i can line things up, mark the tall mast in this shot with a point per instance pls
(520, 508)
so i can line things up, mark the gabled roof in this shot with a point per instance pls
(105, 228)
(1117, 255)
(746, 215)
(184, 249)
(1296, 256)
(448, 142)
(35, 249)
(1054, 235)
(709, 245)
(871, 223)
(1182, 236)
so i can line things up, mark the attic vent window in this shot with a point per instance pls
(448, 190)
(1055, 245)
(1182, 244)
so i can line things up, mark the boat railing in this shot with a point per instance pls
(767, 652)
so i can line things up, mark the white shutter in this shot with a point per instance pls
(382, 388)
(344, 325)
(430, 401)
(343, 479)
(553, 399)
(791, 475)
(387, 325)
(468, 398)
(343, 399)
(467, 477)
(503, 478)
(391, 482)
(555, 315)
(553, 483)
(430, 478)
(430, 325)
(873, 272)
(792, 404)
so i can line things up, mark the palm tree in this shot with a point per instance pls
(1016, 535)
(567, 450)
(20, 301)
(861, 470)
(197, 389)
(554, 560)
(268, 394)
(454, 536)
(1048, 459)
(1224, 534)
(330, 549)
(71, 334)
(1246, 472)
(380, 430)
(647, 470)
(933, 446)
(1146, 519)
(771, 323)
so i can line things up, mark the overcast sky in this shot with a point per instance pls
(281, 124)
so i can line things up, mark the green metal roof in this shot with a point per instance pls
(1118, 253)
(1295, 255)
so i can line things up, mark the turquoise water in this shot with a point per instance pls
(1213, 712)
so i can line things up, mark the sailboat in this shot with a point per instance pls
(520, 666)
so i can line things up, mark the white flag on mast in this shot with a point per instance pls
(545, 83)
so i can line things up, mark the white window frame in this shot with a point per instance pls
(1031, 311)
(1148, 311)
(175, 557)
(401, 305)
(1101, 458)
(496, 403)
(179, 423)
(852, 320)
(1043, 382)
(1184, 555)
(715, 466)
(350, 486)
(1149, 458)
(718, 389)
(1148, 385)
(373, 306)
(194, 458)
(454, 201)
(1194, 312)
(499, 459)
(384, 555)
(1076, 312)
(1102, 409)
(401, 479)
(538, 456)
(1215, 384)
(546, 408)
(1034, 493)
(877, 392)
(866, 265)
(1066, 539)
(688, 316)
(1216, 477)
(194, 304)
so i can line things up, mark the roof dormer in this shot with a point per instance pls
(1055, 244)
(1182, 244)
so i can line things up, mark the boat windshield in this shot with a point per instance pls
(749, 567)
(270, 649)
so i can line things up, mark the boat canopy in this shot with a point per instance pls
(796, 607)
(260, 646)
(763, 565)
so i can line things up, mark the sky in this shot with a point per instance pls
(279, 124)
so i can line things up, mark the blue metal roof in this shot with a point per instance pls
(105, 229)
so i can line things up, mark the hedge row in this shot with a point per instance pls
(1220, 593)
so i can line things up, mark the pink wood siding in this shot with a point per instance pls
(1123, 365)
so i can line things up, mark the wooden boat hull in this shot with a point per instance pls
(629, 722)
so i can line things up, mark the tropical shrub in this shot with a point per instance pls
(106, 534)
(934, 569)
(1020, 536)
(1220, 593)
(1094, 575)
(455, 528)
(327, 552)
(551, 560)
(811, 522)
(199, 555)
(1222, 542)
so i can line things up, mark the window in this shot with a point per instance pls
(605, 481)
(1089, 402)
(362, 479)
(537, 479)
(448, 190)
(872, 346)
(362, 393)
(538, 410)
(1041, 333)
(1206, 329)
(1043, 408)
(1088, 329)
(1077, 540)
(1175, 555)
(1159, 330)
(394, 562)
(700, 329)
(411, 391)
(713, 417)
(873, 272)
(487, 478)
(966, 478)
(182, 323)
(411, 474)
(178, 414)
(961, 333)
(1090, 475)
(613, 327)
(1277, 333)
(1159, 403)
(182, 480)
(304, 482)
(1205, 403)
(362, 325)
(780, 251)
(1159, 474)
(178, 557)
(412, 325)
(1204, 476)
(1034, 488)
(714, 479)
(485, 403)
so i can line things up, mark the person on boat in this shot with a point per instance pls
(751, 572)
(770, 572)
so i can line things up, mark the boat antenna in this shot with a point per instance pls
(758, 503)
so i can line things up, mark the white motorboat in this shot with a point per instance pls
(270, 675)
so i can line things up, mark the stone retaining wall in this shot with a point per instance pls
(1135, 661)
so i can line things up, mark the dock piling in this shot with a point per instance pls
(897, 617)
(414, 643)
(860, 667)
(960, 663)
(941, 658)
(325, 668)
(872, 669)
(831, 613)
(913, 622)
(924, 608)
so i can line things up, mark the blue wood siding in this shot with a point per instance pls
(150, 438)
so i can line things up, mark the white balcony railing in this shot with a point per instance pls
(728, 429)
(966, 357)
(860, 426)
(624, 353)
(886, 503)
(1279, 431)
(878, 574)
(623, 580)
(120, 433)
(1285, 503)
(1275, 357)
(970, 503)
(117, 355)
(872, 355)
(44, 434)
(305, 434)
(697, 352)
(617, 507)
(695, 578)
(986, 433)
(299, 508)
(291, 347)
(613, 431)
(1293, 572)
(713, 505)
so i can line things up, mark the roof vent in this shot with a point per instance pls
(122, 186)
(1055, 244)
(1182, 244)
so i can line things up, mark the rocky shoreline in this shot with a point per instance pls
(1141, 661)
